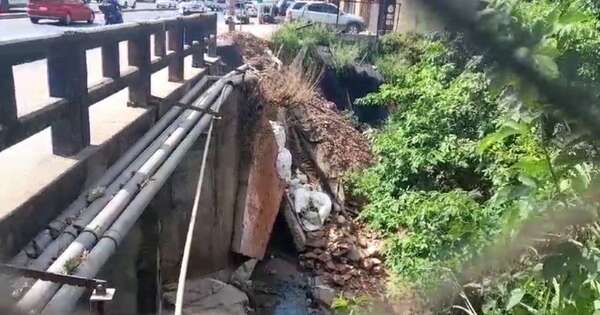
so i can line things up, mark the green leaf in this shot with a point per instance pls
(547, 47)
(573, 16)
(546, 65)
(556, 298)
(507, 130)
(516, 296)
(532, 167)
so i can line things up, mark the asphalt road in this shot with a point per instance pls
(23, 28)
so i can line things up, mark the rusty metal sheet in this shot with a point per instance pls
(263, 196)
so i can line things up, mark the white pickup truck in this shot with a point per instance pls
(327, 13)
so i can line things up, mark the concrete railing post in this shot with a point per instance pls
(160, 41)
(212, 45)
(176, 44)
(8, 101)
(139, 56)
(111, 67)
(67, 78)
(197, 38)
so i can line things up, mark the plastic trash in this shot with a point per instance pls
(279, 132)
(284, 164)
(313, 207)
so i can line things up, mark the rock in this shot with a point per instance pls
(341, 279)
(363, 241)
(369, 263)
(244, 272)
(209, 297)
(373, 249)
(324, 257)
(323, 294)
(293, 224)
(377, 270)
(316, 242)
(330, 266)
(340, 219)
(354, 254)
(340, 250)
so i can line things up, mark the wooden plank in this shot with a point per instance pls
(67, 78)
(139, 56)
(176, 44)
(111, 67)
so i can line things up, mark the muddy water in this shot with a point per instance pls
(280, 288)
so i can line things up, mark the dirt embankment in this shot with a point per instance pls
(325, 145)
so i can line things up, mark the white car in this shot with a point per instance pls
(251, 10)
(127, 3)
(191, 7)
(294, 10)
(166, 4)
(327, 13)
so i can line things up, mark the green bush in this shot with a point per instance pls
(292, 37)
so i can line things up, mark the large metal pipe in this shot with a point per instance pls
(66, 298)
(57, 226)
(41, 292)
(57, 246)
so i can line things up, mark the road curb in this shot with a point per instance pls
(8, 16)
(11, 16)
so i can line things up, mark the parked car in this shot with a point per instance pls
(6, 5)
(282, 6)
(294, 10)
(166, 4)
(65, 11)
(211, 5)
(191, 7)
(327, 13)
(240, 14)
(127, 3)
(221, 5)
(251, 9)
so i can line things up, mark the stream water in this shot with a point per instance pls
(280, 287)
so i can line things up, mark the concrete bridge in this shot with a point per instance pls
(120, 211)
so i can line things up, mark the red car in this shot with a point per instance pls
(65, 11)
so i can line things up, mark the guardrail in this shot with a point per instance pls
(67, 112)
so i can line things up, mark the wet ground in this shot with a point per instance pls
(280, 288)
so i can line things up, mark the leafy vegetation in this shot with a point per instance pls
(472, 157)
(480, 180)
(291, 38)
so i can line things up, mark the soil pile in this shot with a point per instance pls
(325, 144)
(254, 50)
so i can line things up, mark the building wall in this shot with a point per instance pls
(411, 15)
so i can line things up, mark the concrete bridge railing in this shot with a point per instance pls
(67, 112)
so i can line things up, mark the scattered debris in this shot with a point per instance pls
(323, 294)
(209, 297)
(313, 207)
(323, 145)
(254, 50)
(243, 273)
(298, 236)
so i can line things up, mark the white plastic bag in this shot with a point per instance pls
(313, 207)
(284, 164)
(279, 132)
